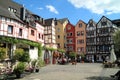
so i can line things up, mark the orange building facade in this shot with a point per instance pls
(80, 35)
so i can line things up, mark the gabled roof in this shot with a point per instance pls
(102, 18)
(48, 22)
(4, 12)
(81, 21)
(63, 20)
(117, 22)
(70, 24)
(92, 21)
(10, 3)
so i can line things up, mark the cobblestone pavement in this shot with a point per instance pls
(81, 71)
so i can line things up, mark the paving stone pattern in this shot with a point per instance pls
(81, 71)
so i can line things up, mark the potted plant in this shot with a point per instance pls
(2, 53)
(37, 68)
(18, 54)
(19, 69)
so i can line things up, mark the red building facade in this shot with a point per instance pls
(70, 37)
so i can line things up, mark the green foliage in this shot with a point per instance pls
(18, 54)
(34, 62)
(41, 62)
(116, 38)
(2, 53)
(72, 54)
(51, 49)
(23, 41)
(61, 50)
(39, 50)
(21, 55)
(19, 68)
(82, 55)
(25, 57)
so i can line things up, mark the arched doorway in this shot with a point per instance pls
(47, 57)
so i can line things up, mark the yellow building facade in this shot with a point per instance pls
(60, 33)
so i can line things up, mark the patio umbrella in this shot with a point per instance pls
(112, 56)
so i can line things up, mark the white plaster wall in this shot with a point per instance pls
(33, 53)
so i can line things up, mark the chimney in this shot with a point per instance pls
(23, 11)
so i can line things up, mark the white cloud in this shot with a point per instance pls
(40, 8)
(98, 6)
(52, 9)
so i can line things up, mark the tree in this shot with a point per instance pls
(116, 38)
(72, 54)
(21, 55)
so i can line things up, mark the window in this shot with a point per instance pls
(10, 29)
(106, 48)
(31, 47)
(80, 41)
(58, 29)
(67, 34)
(32, 32)
(58, 36)
(69, 27)
(80, 25)
(64, 37)
(64, 45)
(12, 9)
(70, 34)
(15, 10)
(104, 23)
(82, 33)
(71, 48)
(101, 48)
(78, 33)
(91, 25)
(20, 32)
(78, 49)
(42, 37)
(67, 41)
(58, 45)
(71, 41)
(39, 35)
(82, 49)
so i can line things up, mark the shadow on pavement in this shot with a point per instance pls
(99, 78)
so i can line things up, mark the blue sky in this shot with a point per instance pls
(74, 10)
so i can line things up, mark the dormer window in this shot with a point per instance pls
(103, 23)
(80, 25)
(91, 23)
(12, 9)
(69, 27)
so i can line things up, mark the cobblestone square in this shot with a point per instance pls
(81, 71)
